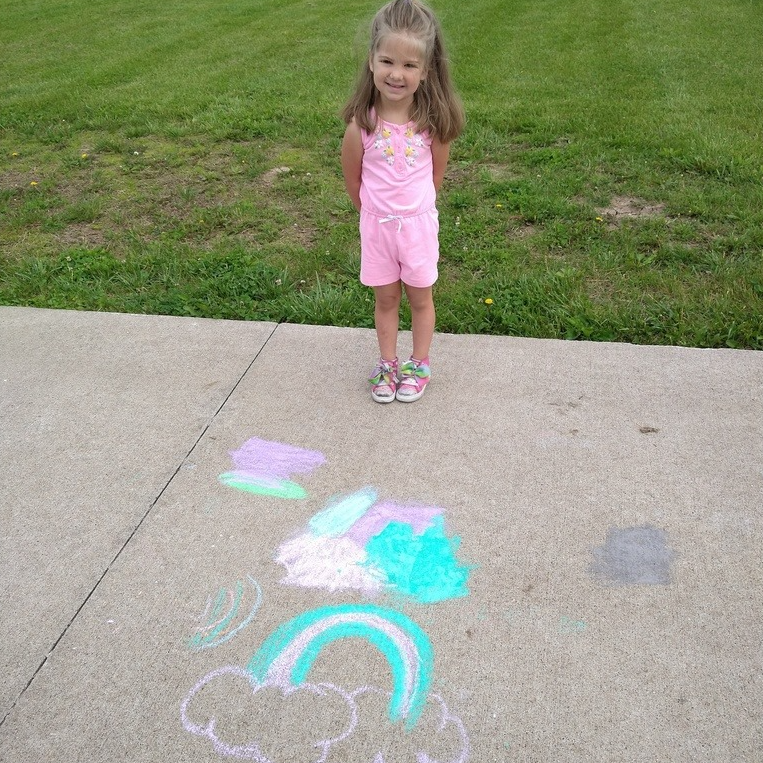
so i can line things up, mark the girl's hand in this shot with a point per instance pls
(352, 162)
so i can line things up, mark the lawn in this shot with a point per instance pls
(182, 158)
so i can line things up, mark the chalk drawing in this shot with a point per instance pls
(283, 663)
(336, 519)
(372, 546)
(439, 736)
(633, 556)
(265, 468)
(356, 542)
(287, 656)
(568, 626)
(543, 620)
(239, 687)
(220, 621)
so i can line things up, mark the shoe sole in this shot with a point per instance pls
(383, 399)
(409, 398)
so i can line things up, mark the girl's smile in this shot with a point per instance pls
(398, 69)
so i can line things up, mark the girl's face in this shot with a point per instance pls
(398, 68)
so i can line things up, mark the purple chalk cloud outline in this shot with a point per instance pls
(446, 719)
(252, 750)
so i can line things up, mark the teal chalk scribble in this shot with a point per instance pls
(423, 566)
(341, 516)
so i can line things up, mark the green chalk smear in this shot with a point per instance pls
(282, 489)
(421, 566)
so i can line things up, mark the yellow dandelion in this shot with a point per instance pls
(599, 219)
(34, 182)
(488, 301)
(15, 153)
(84, 156)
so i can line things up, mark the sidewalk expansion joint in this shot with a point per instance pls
(137, 527)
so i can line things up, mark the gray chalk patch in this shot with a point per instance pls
(633, 556)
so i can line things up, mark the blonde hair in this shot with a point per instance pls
(436, 105)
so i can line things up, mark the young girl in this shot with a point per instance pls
(400, 122)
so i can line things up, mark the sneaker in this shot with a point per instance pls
(414, 377)
(384, 381)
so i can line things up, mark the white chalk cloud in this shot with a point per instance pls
(315, 723)
(334, 564)
(245, 719)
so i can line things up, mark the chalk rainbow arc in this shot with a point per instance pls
(289, 653)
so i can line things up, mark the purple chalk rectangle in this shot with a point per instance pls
(266, 459)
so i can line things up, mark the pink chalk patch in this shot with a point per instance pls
(334, 564)
(373, 522)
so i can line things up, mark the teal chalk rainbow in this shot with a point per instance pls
(289, 653)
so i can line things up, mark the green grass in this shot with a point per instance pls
(609, 185)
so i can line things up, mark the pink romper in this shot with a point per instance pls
(398, 219)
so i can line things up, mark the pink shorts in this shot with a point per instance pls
(399, 249)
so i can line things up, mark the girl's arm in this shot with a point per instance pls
(352, 162)
(440, 154)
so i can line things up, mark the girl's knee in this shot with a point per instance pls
(388, 297)
(388, 304)
(418, 298)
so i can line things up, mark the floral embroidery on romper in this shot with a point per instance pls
(384, 143)
(413, 141)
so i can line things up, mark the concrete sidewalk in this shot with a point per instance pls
(214, 545)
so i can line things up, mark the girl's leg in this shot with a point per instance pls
(414, 373)
(387, 318)
(422, 319)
